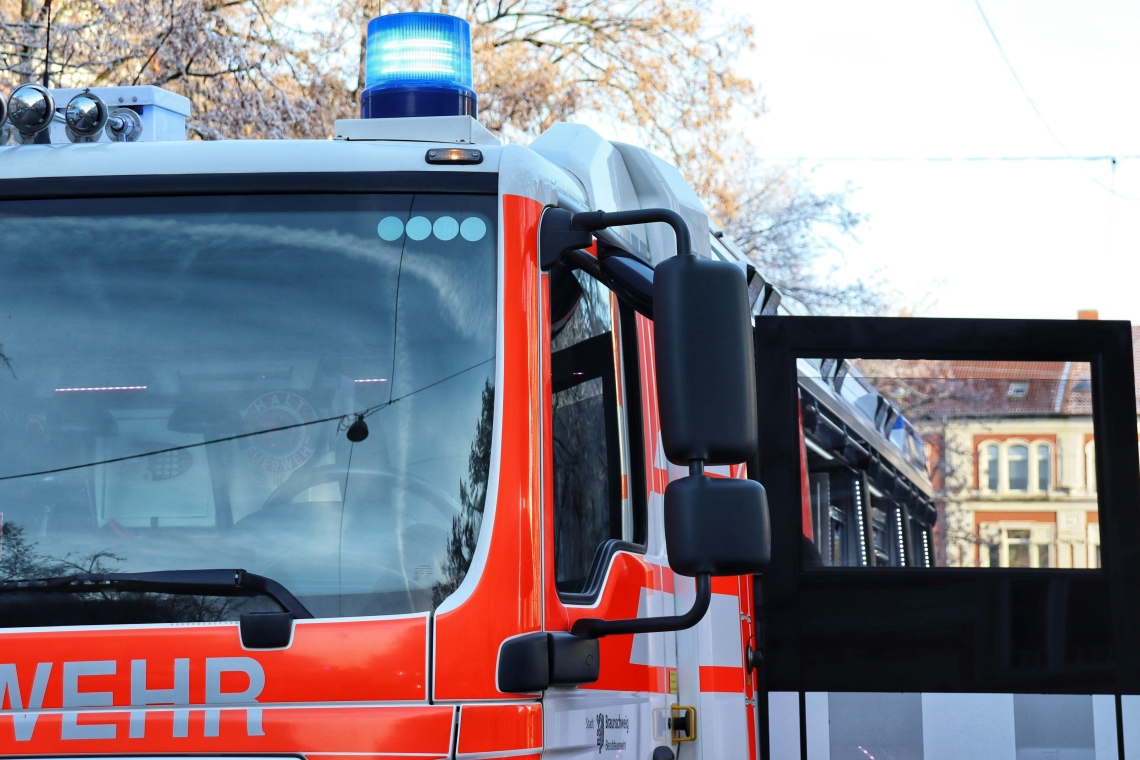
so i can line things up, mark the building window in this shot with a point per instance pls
(1018, 461)
(1044, 468)
(1016, 466)
(1019, 542)
(992, 467)
(1090, 466)
(1018, 391)
(1027, 544)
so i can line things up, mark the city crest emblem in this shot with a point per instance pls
(280, 450)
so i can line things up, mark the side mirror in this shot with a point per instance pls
(706, 388)
(706, 394)
(716, 526)
(706, 374)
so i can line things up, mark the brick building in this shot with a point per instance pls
(1011, 452)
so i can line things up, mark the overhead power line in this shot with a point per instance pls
(1036, 110)
(953, 159)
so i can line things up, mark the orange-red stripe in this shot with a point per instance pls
(499, 728)
(719, 678)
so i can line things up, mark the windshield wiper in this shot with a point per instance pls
(205, 582)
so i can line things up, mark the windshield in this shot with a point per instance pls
(185, 326)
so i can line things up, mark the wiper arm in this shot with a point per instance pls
(209, 582)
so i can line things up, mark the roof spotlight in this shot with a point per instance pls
(86, 115)
(30, 110)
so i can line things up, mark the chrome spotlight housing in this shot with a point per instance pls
(30, 110)
(85, 116)
(124, 125)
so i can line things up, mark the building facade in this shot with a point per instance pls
(1020, 492)
(1012, 454)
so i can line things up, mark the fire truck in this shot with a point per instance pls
(417, 443)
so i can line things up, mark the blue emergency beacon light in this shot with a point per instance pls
(418, 64)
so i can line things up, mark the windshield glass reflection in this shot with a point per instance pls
(190, 327)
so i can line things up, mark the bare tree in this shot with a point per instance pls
(247, 73)
(789, 228)
(289, 68)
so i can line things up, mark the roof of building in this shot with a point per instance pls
(926, 389)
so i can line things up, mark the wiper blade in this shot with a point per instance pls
(208, 582)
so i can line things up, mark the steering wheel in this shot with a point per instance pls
(332, 473)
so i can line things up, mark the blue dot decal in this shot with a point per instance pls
(446, 228)
(418, 228)
(473, 228)
(390, 228)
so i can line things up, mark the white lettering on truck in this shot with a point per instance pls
(25, 722)
(73, 697)
(215, 666)
(25, 716)
(141, 695)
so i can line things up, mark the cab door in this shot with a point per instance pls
(1022, 639)
(603, 555)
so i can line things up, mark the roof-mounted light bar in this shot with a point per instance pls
(418, 64)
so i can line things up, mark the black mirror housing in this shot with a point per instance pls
(706, 378)
(536, 661)
(717, 526)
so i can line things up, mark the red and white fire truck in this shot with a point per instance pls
(418, 444)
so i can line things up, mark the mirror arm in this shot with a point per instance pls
(593, 221)
(594, 628)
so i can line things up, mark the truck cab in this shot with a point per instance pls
(299, 436)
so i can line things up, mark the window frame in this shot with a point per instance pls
(824, 628)
(1033, 484)
(630, 423)
(990, 473)
(1009, 460)
(1050, 459)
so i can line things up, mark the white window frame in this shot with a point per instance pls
(1090, 465)
(1031, 445)
(984, 466)
(1040, 534)
(1035, 466)
(1030, 466)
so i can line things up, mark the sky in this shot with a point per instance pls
(844, 81)
(882, 79)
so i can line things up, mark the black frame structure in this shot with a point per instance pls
(950, 629)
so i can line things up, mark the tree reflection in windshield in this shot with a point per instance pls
(472, 496)
(21, 560)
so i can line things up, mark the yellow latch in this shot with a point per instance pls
(683, 723)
